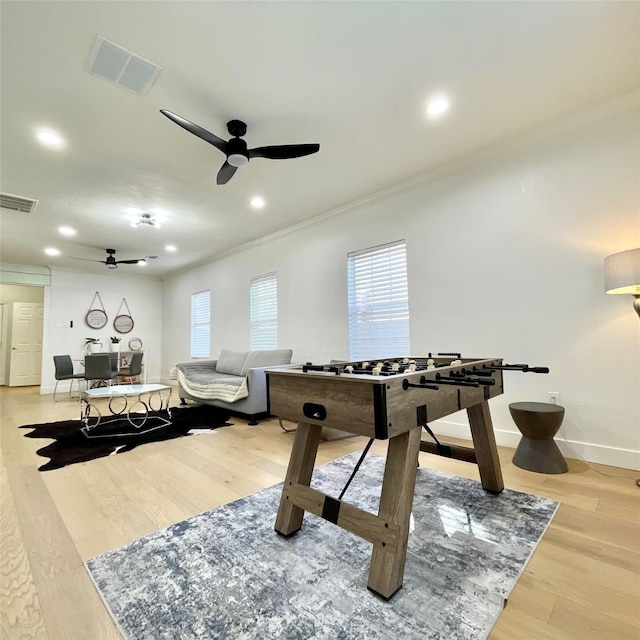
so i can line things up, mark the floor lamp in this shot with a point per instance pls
(622, 275)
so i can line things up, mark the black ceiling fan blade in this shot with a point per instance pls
(130, 261)
(226, 173)
(284, 151)
(197, 130)
(87, 259)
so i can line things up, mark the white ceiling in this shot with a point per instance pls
(352, 76)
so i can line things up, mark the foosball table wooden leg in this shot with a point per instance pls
(484, 443)
(387, 567)
(300, 470)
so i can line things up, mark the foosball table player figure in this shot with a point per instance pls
(392, 399)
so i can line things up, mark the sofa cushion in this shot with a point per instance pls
(231, 362)
(266, 358)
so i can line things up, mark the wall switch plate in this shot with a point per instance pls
(554, 397)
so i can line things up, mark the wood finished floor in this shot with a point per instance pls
(582, 582)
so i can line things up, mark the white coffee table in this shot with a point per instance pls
(121, 410)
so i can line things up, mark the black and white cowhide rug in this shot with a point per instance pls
(71, 445)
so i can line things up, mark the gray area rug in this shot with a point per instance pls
(226, 574)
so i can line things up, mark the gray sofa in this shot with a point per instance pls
(235, 381)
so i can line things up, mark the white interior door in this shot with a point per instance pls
(25, 365)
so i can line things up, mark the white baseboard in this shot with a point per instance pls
(597, 453)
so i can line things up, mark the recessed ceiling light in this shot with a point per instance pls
(50, 251)
(66, 231)
(437, 106)
(49, 138)
(257, 202)
(170, 247)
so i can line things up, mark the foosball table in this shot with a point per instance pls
(394, 399)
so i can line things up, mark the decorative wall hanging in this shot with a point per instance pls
(96, 318)
(135, 344)
(123, 323)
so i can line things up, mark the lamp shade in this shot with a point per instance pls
(622, 272)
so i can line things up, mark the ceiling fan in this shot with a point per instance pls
(111, 261)
(236, 149)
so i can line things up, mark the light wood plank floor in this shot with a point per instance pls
(582, 582)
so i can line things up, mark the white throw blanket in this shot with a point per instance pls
(218, 387)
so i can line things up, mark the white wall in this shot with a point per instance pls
(505, 257)
(69, 298)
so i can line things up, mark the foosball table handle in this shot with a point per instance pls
(406, 385)
(525, 368)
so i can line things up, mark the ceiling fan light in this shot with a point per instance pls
(146, 219)
(111, 266)
(142, 263)
(237, 160)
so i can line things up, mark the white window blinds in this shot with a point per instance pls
(378, 302)
(263, 302)
(201, 324)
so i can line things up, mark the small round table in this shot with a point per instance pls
(538, 422)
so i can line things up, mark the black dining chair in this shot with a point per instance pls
(98, 368)
(135, 368)
(64, 371)
(114, 357)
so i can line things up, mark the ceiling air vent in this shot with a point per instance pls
(121, 67)
(17, 203)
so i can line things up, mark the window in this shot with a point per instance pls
(201, 324)
(378, 302)
(263, 302)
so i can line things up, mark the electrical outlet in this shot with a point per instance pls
(554, 397)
